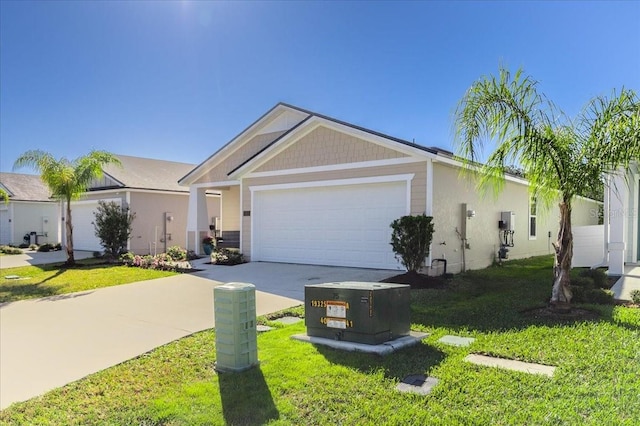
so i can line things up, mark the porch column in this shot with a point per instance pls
(618, 210)
(197, 218)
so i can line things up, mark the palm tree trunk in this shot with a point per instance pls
(561, 292)
(70, 258)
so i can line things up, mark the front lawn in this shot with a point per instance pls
(596, 380)
(51, 280)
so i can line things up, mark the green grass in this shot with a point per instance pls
(52, 280)
(596, 381)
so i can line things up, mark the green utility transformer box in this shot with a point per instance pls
(235, 323)
(360, 312)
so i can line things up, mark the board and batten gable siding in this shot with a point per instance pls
(239, 156)
(325, 146)
(417, 196)
(451, 189)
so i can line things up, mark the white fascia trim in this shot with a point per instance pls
(335, 167)
(85, 202)
(215, 184)
(233, 145)
(477, 169)
(144, 191)
(336, 182)
(315, 122)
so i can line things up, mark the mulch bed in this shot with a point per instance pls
(418, 281)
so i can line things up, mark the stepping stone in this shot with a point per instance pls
(261, 327)
(288, 320)
(456, 340)
(417, 383)
(509, 364)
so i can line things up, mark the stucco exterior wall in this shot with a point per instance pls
(250, 148)
(418, 187)
(42, 218)
(324, 146)
(451, 190)
(149, 224)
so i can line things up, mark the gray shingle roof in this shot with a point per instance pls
(22, 187)
(147, 173)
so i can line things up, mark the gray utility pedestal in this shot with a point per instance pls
(236, 334)
(360, 312)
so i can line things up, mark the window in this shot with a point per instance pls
(533, 211)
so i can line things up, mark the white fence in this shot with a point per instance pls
(588, 245)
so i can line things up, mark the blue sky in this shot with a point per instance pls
(176, 80)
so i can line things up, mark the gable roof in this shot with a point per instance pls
(143, 173)
(23, 187)
(308, 115)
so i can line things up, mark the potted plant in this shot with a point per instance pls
(208, 243)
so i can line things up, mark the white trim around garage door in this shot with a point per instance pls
(407, 178)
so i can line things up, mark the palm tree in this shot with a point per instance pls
(67, 180)
(561, 158)
(4, 196)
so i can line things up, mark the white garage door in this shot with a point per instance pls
(345, 225)
(82, 218)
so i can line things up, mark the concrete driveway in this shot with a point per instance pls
(30, 257)
(49, 342)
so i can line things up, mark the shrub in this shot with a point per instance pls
(223, 256)
(31, 247)
(583, 282)
(410, 240)
(127, 258)
(46, 247)
(58, 246)
(191, 255)
(635, 296)
(177, 253)
(10, 250)
(598, 276)
(599, 296)
(113, 227)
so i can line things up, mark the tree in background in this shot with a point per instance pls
(560, 157)
(4, 196)
(410, 239)
(113, 227)
(67, 180)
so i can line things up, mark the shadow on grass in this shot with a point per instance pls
(419, 359)
(246, 398)
(13, 293)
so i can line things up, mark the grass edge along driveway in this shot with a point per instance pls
(52, 280)
(598, 363)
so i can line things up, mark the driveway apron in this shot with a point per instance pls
(47, 343)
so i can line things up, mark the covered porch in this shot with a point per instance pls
(202, 223)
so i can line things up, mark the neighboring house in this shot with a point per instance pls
(30, 210)
(301, 187)
(149, 188)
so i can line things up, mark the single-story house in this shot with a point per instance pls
(149, 188)
(301, 187)
(30, 211)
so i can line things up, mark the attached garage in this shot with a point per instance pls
(82, 218)
(340, 223)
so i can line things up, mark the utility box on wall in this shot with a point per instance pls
(507, 221)
(360, 312)
(235, 323)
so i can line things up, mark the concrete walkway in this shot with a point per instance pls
(627, 283)
(30, 257)
(47, 343)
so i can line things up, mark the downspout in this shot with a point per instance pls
(429, 204)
